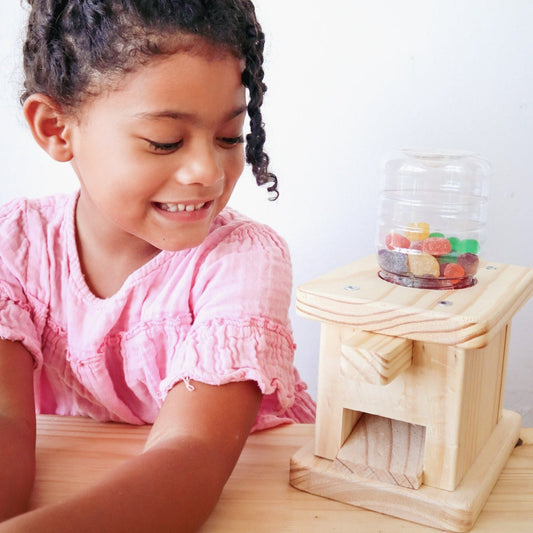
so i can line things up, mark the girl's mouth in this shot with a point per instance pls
(180, 208)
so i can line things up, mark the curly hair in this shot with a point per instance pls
(73, 47)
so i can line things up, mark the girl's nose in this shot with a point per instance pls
(201, 165)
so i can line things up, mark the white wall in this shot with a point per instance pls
(350, 81)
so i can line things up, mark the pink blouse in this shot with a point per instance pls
(216, 313)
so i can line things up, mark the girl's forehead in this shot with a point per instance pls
(184, 82)
(177, 59)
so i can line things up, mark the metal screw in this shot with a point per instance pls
(351, 288)
(444, 302)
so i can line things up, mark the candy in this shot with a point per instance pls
(468, 246)
(394, 241)
(417, 231)
(454, 272)
(395, 262)
(454, 243)
(469, 262)
(449, 258)
(436, 246)
(423, 265)
(417, 257)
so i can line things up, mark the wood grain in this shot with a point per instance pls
(387, 450)
(355, 295)
(376, 358)
(455, 510)
(73, 453)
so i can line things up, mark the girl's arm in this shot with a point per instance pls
(17, 429)
(175, 483)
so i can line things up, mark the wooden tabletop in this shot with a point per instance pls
(74, 452)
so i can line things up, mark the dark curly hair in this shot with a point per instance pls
(71, 44)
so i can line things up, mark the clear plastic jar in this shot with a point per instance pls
(432, 219)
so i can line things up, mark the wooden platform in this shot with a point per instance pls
(354, 295)
(451, 510)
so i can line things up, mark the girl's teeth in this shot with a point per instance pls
(173, 208)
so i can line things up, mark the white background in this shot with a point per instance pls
(350, 81)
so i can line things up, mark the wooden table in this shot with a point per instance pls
(73, 453)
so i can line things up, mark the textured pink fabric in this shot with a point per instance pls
(216, 313)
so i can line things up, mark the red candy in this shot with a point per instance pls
(436, 246)
(395, 241)
(470, 262)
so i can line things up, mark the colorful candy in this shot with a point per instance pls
(468, 246)
(454, 243)
(423, 265)
(416, 245)
(425, 259)
(454, 272)
(417, 231)
(469, 262)
(436, 246)
(395, 241)
(395, 262)
(449, 258)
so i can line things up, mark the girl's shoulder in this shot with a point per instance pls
(32, 231)
(232, 229)
(29, 214)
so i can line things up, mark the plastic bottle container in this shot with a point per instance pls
(432, 219)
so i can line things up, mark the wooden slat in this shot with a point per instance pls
(387, 450)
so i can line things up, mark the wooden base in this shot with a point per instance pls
(451, 510)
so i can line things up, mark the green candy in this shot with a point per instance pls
(468, 246)
(449, 258)
(455, 244)
(436, 234)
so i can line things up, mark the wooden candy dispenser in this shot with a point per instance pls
(410, 420)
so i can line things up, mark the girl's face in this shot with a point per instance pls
(159, 156)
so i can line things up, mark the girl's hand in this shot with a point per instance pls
(17, 429)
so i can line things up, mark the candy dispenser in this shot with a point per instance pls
(410, 419)
(432, 217)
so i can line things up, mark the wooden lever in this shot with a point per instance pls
(376, 358)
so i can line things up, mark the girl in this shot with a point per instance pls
(141, 298)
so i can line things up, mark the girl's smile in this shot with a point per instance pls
(159, 156)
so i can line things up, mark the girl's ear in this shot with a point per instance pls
(49, 126)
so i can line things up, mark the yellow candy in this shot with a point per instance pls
(417, 231)
(423, 265)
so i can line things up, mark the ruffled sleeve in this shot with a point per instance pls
(241, 330)
(16, 313)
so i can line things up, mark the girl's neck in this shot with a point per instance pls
(107, 258)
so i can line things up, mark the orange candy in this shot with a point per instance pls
(454, 272)
(436, 246)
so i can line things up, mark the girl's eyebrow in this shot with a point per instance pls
(179, 115)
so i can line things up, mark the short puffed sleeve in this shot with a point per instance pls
(241, 331)
(16, 312)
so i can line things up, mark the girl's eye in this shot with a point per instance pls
(231, 141)
(164, 147)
